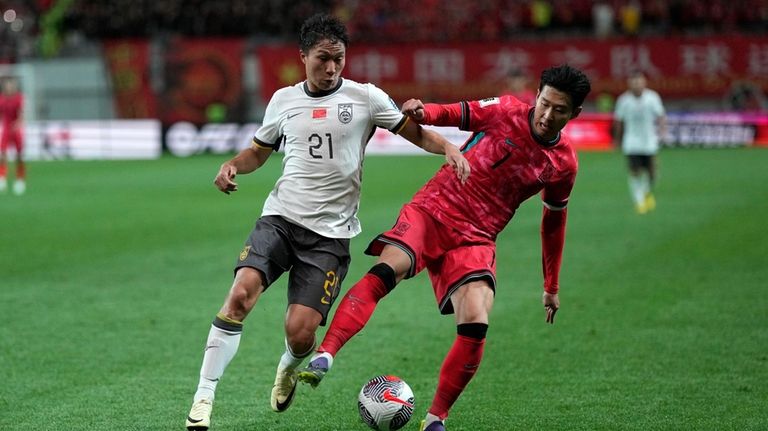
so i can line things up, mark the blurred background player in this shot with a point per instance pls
(324, 123)
(11, 107)
(639, 122)
(450, 227)
(517, 84)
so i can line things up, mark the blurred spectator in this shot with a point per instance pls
(602, 19)
(630, 18)
(541, 14)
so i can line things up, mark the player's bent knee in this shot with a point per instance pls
(473, 301)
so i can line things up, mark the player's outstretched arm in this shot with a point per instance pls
(435, 143)
(245, 162)
(552, 243)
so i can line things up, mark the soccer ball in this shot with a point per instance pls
(385, 403)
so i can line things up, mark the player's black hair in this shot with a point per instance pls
(320, 27)
(569, 80)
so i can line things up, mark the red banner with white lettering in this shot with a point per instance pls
(678, 67)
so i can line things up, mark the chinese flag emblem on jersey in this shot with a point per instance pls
(319, 113)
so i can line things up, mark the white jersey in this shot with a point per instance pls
(639, 115)
(324, 135)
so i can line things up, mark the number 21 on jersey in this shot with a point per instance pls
(316, 144)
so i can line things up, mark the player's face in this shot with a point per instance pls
(637, 84)
(552, 112)
(323, 64)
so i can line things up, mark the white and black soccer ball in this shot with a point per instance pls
(385, 403)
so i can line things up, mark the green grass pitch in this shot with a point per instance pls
(111, 272)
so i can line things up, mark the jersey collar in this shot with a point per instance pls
(322, 93)
(543, 142)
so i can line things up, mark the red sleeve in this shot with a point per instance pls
(454, 114)
(552, 242)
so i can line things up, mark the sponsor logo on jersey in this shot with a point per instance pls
(345, 112)
(489, 101)
(319, 113)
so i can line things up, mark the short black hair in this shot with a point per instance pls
(569, 80)
(320, 27)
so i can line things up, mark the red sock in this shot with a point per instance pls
(3, 170)
(459, 366)
(353, 313)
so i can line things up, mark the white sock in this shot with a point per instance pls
(291, 360)
(636, 189)
(219, 351)
(429, 419)
(645, 184)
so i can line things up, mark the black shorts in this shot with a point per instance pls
(640, 161)
(317, 264)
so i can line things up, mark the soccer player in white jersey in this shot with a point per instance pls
(639, 122)
(323, 124)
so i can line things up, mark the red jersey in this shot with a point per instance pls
(10, 108)
(509, 165)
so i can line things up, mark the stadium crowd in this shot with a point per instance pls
(427, 20)
(32, 28)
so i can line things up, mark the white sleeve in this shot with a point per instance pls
(384, 110)
(618, 113)
(659, 107)
(269, 132)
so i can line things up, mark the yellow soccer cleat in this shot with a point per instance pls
(650, 202)
(641, 208)
(283, 390)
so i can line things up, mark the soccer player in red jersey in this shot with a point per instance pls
(11, 105)
(450, 228)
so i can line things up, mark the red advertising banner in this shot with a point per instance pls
(203, 80)
(678, 67)
(128, 63)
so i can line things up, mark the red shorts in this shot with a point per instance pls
(13, 136)
(451, 258)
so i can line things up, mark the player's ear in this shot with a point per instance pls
(303, 56)
(576, 112)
